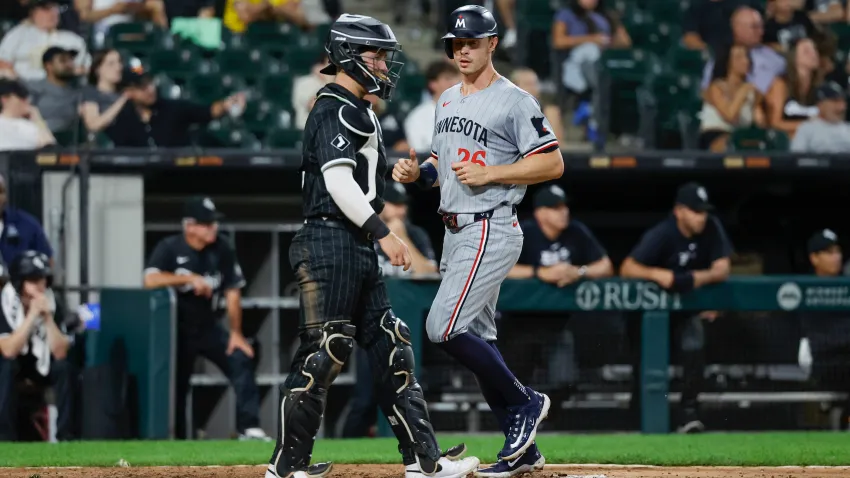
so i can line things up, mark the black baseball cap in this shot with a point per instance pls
(53, 51)
(43, 4)
(822, 240)
(13, 87)
(550, 196)
(694, 197)
(201, 209)
(133, 76)
(395, 193)
(829, 91)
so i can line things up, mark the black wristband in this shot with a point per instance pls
(376, 227)
(683, 282)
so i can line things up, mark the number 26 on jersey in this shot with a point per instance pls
(477, 157)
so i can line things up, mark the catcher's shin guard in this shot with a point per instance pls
(400, 395)
(302, 407)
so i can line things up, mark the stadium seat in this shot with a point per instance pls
(284, 138)
(661, 100)
(655, 37)
(138, 38)
(247, 62)
(622, 72)
(259, 115)
(179, 63)
(166, 88)
(264, 34)
(213, 87)
(277, 87)
(758, 139)
(842, 32)
(536, 15)
(687, 61)
(670, 11)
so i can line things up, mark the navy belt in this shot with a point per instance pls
(450, 219)
(339, 224)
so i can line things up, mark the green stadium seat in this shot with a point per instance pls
(622, 72)
(213, 87)
(673, 93)
(264, 34)
(260, 115)
(182, 63)
(758, 139)
(684, 60)
(842, 32)
(249, 62)
(669, 11)
(166, 88)
(284, 138)
(277, 87)
(224, 134)
(537, 15)
(135, 37)
(655, 37)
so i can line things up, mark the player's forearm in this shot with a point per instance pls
(349, 198)
(599, 269)
(234, 310)
(155, 279)
(12, 344)
(719, 272)
(533, 169)
(631, 269)
(57, 341)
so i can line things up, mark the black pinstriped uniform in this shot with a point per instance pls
(334, 261)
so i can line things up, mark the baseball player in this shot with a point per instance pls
(490, 141)
(343, 298)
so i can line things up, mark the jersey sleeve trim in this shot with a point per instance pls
(543, 148)
(239, 285)
(337, 162)
(151, 270)
(434, 155)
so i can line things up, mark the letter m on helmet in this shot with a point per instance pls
(460, 23)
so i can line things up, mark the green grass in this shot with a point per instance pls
(770, 449)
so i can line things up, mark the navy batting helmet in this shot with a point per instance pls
(470, 21)
(30, 265)
(349, 37)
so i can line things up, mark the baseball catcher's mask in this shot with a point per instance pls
(366, 50)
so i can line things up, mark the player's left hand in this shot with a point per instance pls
(470, 173)
(237, 342)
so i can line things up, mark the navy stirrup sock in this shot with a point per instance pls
(487, 365)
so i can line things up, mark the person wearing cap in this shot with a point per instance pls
(147, 121)
(35, 339)
(424, 260)
(828, 132)
(825, 335)
(21, 126)
(57, 97)
(557, 249)
(686, 251)
(20, 231)
(202, 267)
(22, 47)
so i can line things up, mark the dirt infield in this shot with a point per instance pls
(387, 471)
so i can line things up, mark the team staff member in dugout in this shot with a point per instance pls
(684, 252)
(19, 231)
(202, 266)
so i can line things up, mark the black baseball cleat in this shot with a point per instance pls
(455, 453)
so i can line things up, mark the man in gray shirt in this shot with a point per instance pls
(56, 96)
(827, 132)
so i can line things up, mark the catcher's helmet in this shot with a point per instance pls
(349, 36)
(470, 21)
(29, 265)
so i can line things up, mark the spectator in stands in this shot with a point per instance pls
(57, 96)
(747, 30)
(22, 47)
(730, 101)
(238, 14)
(190, 8)
(583, 30)
(424, 260)
(147, 121)
(825, 340)
(391, 126)
(21, 126)
(558, 249)
(686, 251)
(786, 25)
(823, 11)
(419, 124)
(527, 79)
(102, 14)
(828, 132)
(304, 89)
(34, 342)
(707, 22)
(507, 15)
(101, 99)
(792, 97)
(20, 231)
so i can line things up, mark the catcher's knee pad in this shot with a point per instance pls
(301, 408)
(402, 399)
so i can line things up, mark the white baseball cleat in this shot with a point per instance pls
(319, 470)
(446, 468)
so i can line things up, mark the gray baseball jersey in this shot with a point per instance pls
(497, 125)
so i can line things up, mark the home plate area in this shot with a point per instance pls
(387, 471)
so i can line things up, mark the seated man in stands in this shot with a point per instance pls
(827, 132)
(57, 96)
(21, 126)
(34, 342)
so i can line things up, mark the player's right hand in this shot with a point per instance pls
(396, 250)
(406, 170)
(201, 286)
